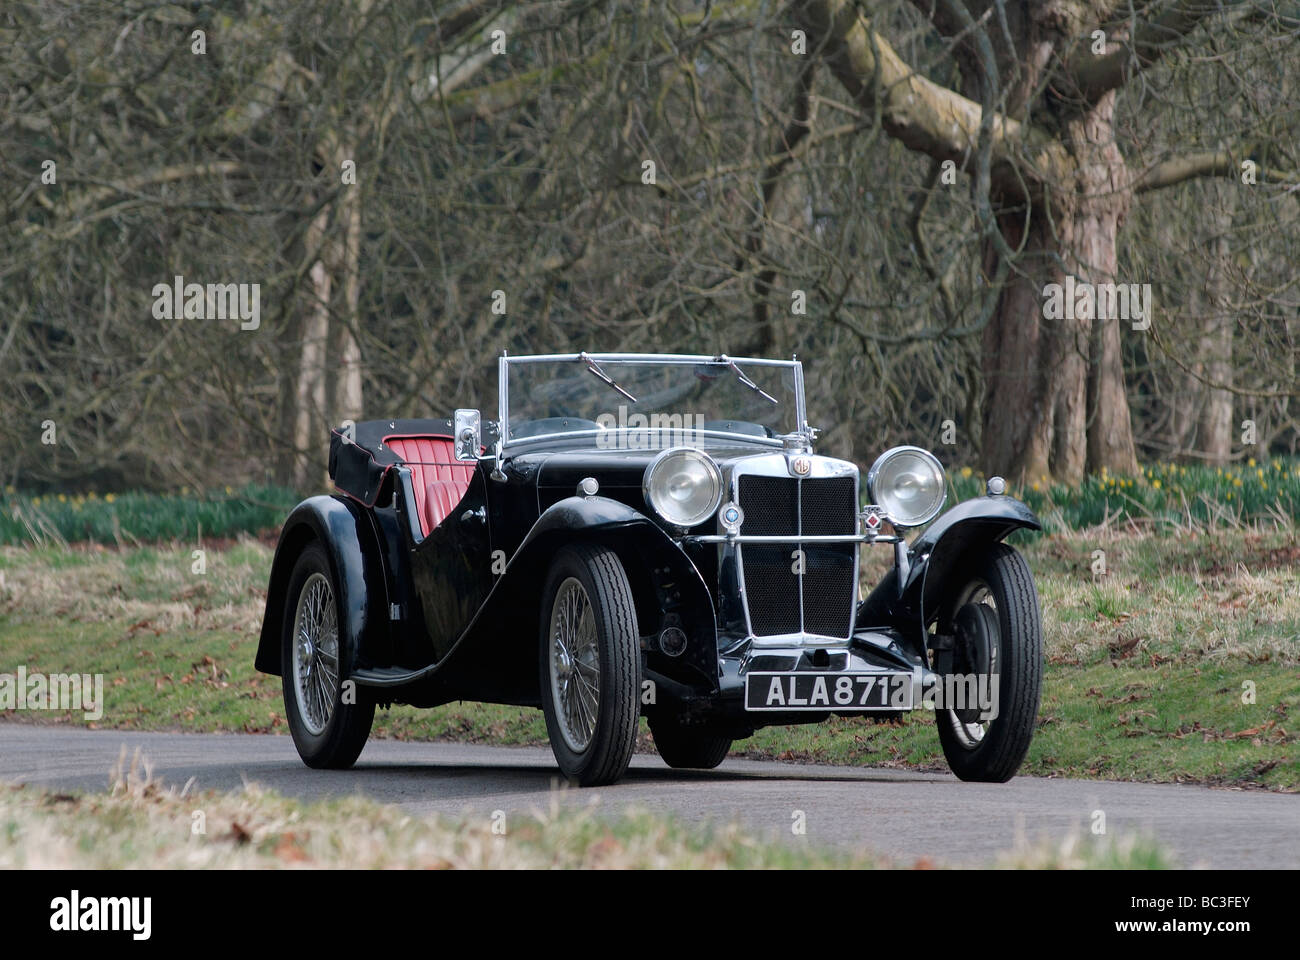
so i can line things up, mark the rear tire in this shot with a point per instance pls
(317, 655)
(992, 750)
(590, 665)
(686, 748)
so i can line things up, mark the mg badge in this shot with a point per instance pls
(801, 466)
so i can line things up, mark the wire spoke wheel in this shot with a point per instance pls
(575, 664)
(589, 660)
(329, 722)
(316, 653)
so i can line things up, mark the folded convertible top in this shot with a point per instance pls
(359, 467)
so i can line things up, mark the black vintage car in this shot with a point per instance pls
(648, 535)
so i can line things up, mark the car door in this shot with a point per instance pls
(452, 567)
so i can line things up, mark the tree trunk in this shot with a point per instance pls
(1104, 189)
(1214, 425)
(1056, 403)
(345, 264)
(1019, 394)
(309, 399)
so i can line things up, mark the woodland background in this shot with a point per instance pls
(797, 146)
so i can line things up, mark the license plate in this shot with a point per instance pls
(834, 692)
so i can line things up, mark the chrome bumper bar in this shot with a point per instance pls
(793, 538)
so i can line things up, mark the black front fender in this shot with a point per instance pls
(939, 556)
(938, 560)
(345, 531)
(663, 578)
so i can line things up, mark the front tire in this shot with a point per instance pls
(316, 657)
(685, 748)
(998, 633)
(590, 665)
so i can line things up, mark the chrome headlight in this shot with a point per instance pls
(683, 485)
(908, 483)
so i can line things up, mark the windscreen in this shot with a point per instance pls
(650, 399)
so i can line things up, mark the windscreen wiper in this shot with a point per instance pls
(602, 375)
(731, 364)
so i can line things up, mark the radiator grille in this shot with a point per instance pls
(780, 600)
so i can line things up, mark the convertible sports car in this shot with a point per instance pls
(648, 535)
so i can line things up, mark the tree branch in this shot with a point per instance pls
(1094, 75)
(260, 97)
(77, 206)
(462, 16)
(1210, 163)
(917, 112)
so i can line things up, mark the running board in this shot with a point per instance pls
(390, 676)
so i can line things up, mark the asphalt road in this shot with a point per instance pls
(904, 815)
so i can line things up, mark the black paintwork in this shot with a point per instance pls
(456, 614)
(452, 569)
(351, 540)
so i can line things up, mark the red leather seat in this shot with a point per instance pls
(437, 477)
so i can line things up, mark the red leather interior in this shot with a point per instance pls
(438, 478)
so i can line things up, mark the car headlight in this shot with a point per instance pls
(683, 485)
(908, 483)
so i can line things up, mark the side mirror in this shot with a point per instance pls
(469, 434)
